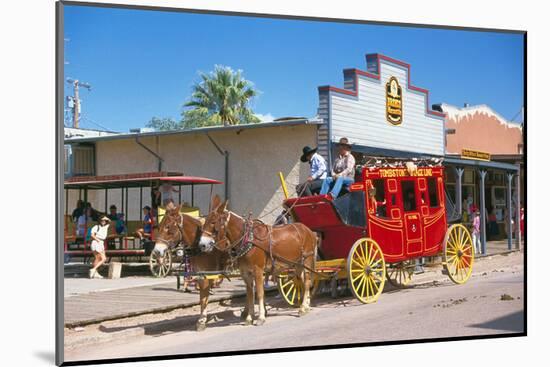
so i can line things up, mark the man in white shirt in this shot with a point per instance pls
(99, 234)
(318, 172)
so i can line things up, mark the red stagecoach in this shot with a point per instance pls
(392, 215)
(119, 189)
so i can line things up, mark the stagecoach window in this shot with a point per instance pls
(380, 197)
(409, 196)
(432, 191)
(351, 208)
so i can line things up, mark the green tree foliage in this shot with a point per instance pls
(199, 117)
(222, 97)
(162, 124)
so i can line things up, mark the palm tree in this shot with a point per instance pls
(226, 95)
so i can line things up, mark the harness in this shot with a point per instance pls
(246, 242)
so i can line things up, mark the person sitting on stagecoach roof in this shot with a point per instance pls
(147, 228)
(343, 170)
(318, 172)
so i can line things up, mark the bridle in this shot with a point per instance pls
(180, 231)
(219, 232)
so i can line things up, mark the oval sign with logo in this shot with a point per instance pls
(394, 102)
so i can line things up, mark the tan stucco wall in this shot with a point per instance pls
(482, 132)
(255, 158)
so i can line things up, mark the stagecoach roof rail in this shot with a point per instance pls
(382, 162)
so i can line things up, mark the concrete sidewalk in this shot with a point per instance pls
(100, 300)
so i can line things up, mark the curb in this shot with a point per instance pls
(218, 299)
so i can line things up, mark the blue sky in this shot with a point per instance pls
(143, 63)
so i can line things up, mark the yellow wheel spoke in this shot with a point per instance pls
(367, 253)
(362, 266)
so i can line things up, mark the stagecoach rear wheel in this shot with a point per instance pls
(458, 253)
(400, 274)
(160, 264)
(366, 270)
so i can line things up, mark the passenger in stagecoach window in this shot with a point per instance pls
(343, 171)
(99, 234)
(379, 206)
(409, 203)
(318, 172)
(147, 229)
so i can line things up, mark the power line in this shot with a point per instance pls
(95, 123)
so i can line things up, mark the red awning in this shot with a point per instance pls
(135, 180)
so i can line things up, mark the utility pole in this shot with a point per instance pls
(76, 99)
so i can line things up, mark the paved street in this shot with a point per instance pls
(425, 311)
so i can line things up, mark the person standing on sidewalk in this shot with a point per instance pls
(99, 234)
(475, 233)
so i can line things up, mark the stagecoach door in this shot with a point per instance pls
(413, 224)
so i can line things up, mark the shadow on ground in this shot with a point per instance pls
(513, 322)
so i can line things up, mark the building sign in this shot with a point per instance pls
(394, 102)
(474, 154)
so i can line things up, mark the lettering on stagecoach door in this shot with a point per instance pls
(394, 102)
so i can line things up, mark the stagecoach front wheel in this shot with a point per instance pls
(160, 264)
(291, 288)
(458, 253)
(400, 275)
(366, 270)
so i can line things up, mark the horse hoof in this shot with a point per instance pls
(248, 322)
(303, 312)
(200, 326)
(244, 315)
(260, 322)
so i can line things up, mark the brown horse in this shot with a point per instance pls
(178, 228)
(259, 248)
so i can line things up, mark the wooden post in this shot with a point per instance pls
(283, 184)
(115, 268)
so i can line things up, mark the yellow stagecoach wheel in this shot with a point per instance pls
(458, 255)
(399, 275)
(291, 288)
(160, 264)
(366, 270)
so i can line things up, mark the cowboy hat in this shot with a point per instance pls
(307, 150)
(345, 142)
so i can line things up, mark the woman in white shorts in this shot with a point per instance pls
(99, 234)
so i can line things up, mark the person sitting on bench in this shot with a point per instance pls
(147, 229)
(318, 172)
(343, 170)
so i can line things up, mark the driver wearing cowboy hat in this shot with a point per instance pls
(343, 170)
(318, 172)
